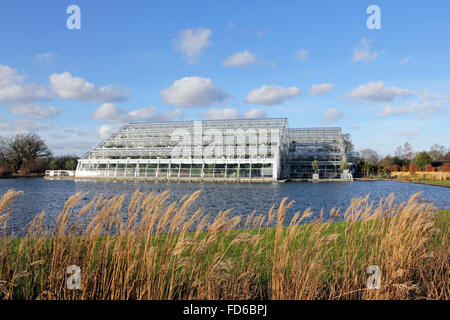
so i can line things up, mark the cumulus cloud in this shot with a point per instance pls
(271, 95)
(363, 53)
(320, 89)
(302, 55)
(151, 114)
(193, 92)
(240, 59)
(14, 89)
(390, 111)
(219, 114)
(106, 130)
(111, 113)
(255, 114)
(20, 96)
(231, 113)
(377, 91)
(332, 115)
(192, 42)
(35, 111)
(67, 86)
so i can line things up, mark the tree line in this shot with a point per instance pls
(27, 154)
(371, 164)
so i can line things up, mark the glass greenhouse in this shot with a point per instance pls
(256, 149)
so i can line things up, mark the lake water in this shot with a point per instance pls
(243, 198)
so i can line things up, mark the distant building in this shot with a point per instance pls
(250, 149)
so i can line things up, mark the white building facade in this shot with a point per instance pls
(218, 149)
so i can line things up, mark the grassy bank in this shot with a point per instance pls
(162, 252)
(445, 183)
(440, 183)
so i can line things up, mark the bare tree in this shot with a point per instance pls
(22, 148)
(405, 151)
(348, 144)
(370, 156)
(437, 152)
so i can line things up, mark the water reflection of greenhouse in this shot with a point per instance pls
(256, 149)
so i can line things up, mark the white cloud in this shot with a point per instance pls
(28, 126)
(4, 124)
(78, 132)
(150, 114)
(332, 115)
(255, 114)
(377, 91)
(319, 89)
(431, 103)
(240, 59)
(111, 113)
(404, 60)
(22, 125)
(219, 114)
(271, 95)
(46, 58)
(426, 104)
(67, 86)
(408, 133)
(35, 111)
(106, 130)
(192, 42)
(231, 113)
(14, 89)
(302, 55)
(355, 126)
(390, 111)
(193, 92)
(363, 53)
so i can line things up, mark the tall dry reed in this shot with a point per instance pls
(165, 251)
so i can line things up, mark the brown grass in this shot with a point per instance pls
(422, 174)
(161, 251)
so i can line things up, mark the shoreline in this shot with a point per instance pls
(22, 177)
(406, 181)
(221, 180)
(425, 183)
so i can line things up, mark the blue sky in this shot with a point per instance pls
(314, 62)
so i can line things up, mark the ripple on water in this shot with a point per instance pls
(243, 198)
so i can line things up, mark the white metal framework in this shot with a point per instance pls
(256, 149)
(220, 149)
(326, 145)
